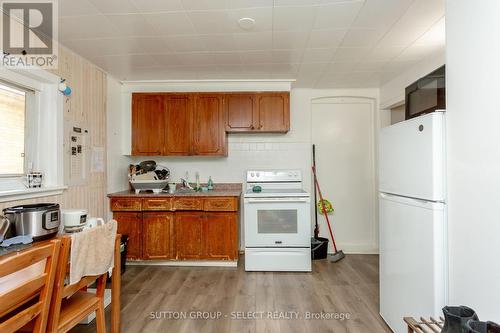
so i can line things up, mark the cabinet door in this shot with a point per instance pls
(148, 118)
(241, 112)
(221, 236)
(209, 132)
(178, 125)
(157, 235)
(274, 112)
(188, 235)
(131, 224)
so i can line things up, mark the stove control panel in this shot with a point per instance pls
(263, 176)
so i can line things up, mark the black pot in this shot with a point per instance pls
(456, 317)
(474, 326)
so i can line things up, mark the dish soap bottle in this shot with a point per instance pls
(198, 187)
(210, 184)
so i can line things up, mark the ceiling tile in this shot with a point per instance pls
(232, 4)
(293, 18)
(287, 56)
(131, 25)
(350, 53)
(113, 6)
(185, 43)
(256, 57)
(381, 14)
(76, 8)
(92, 48)
(204, 4)
(227, 58)
(341, 67)
(362, 38)
(167, 59)
(290, 39)
(384, 53)
(326, 38)
(154, 45)
(370, 66)
(170, 23)
(219, 42)
(152, 6)
(337, 15)
(318, 55)
(130, 61)
(282, 3)
(209, 22)
(95, 26)
(254, 40)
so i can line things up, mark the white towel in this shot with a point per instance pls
(92, 251)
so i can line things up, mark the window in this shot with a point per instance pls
(12, 130)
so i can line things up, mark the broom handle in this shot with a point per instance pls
(324, 208)
(316, 226)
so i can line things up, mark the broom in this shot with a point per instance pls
(338, 254)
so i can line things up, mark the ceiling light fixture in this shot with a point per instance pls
(246, 23)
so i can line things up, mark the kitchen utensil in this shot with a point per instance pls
(39, 221)
(148, 185)
(148, 165)
(171, 188)
(339, 254)
(4, 227)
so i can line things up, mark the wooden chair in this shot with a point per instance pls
(28, 303)
(69, 303)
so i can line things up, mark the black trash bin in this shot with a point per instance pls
(319, 248)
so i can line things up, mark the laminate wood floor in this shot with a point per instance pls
(345, 294)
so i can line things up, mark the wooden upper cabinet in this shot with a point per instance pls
(209, 135)
(274, 112)
(148, 119)
(178, 125)
(241, 112)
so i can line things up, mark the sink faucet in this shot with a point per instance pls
(185, 183)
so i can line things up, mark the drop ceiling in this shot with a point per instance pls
(320, 43)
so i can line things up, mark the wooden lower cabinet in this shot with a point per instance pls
(157, 229)
(221, 236)
(130, 223)
(187, 229)
(188, 235)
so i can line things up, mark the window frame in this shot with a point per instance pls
(26, 91)
(47, 152)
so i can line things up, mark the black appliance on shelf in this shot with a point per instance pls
(427, 94)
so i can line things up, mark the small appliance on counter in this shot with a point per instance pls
(73, 220)
(38, 221)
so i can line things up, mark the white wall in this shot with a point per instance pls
(246, 151)
(117, 163)
(393, 92)
(473, 118)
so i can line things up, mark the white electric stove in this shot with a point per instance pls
(277, 221)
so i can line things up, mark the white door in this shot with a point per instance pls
(343, 132)
(412, 259)
(412, 154)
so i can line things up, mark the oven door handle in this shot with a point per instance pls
(275, 200)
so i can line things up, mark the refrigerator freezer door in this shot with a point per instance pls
(412, 259)
(412, 158)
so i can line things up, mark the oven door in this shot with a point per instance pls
(277, 222)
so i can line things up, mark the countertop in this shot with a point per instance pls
(220, 190)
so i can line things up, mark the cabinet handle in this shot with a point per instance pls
(252, 127)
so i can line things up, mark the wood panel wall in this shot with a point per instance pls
(86, 105)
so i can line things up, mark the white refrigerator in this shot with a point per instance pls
(412, 208)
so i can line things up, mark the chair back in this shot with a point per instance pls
(30, 299)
